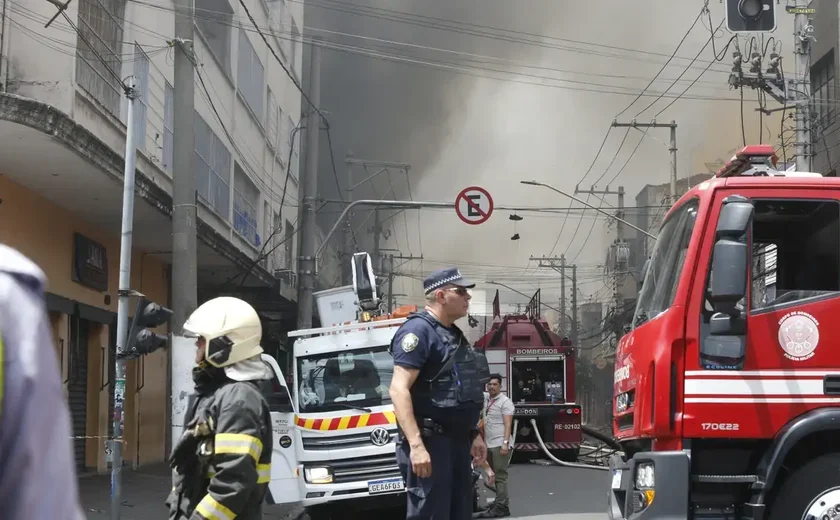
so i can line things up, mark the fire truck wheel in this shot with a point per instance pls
(813, 489)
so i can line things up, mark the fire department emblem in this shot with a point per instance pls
(799, 335)
(409, 342)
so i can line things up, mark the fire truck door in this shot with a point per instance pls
(283, 487)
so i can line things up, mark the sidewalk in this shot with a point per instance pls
(143, 492)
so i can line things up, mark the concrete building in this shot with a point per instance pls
(824, 62)
(62, 138)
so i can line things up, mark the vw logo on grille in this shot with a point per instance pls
(380, 437)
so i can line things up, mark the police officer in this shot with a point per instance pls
(222, 462)
(438, 391)
(37, 471)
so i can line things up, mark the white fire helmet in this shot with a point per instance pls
(231, 330)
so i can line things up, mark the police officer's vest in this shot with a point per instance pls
(462, 378)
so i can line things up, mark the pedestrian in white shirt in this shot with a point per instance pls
(498, 422)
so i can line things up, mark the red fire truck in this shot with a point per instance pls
(727, 387)
(540, 368)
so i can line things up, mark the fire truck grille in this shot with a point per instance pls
(341, 442)
(362, 469)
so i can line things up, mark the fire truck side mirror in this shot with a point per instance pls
(731, 256)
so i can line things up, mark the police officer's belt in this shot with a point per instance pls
(429, 428)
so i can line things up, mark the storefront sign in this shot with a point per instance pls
(90, 263)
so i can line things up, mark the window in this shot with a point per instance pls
(276, 394)
(168, 126)
(272, 120)
(104, 32)
(278, 20)
(212, 168)
(290, 233)
(796, 251)
(141, 78)
(250, 75)
(214, 19)
(246, 197)
(338, 380)
(666, 263)
(295, 45)
(823, 91)
(285, 135)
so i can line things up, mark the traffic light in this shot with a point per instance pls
(141, 340)
(751, 15)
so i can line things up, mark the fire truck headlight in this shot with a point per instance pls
(645, 476)
(318, 475)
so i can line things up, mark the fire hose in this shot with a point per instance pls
(563, 463)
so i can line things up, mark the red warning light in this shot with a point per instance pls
(577, 411)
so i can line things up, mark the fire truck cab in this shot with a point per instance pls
(726, 389)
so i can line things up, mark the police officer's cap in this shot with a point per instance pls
(443, 277)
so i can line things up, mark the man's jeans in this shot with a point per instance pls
(500, 463)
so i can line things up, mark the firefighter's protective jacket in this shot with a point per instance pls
(37, 470)
(223, 460)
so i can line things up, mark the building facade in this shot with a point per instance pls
(63, 122)
(825, 130)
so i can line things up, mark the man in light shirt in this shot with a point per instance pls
(498, 422)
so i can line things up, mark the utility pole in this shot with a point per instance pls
(133, 340)
(803, 32)
(620, 250)
(392, 275)
(796, 91)
(563, 296)
(673, 149)
(390, 283)
(124, 293)
(383, 167)
(347, 253)
(377, 232)
(184, 253)
(574, 337)
(559, 265)
(307, 246)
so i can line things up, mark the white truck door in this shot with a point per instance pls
(283, 487)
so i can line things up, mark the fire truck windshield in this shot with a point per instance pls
(666, 263)
(346, 379)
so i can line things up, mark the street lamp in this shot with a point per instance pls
(552, 188)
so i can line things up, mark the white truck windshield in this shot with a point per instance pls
(347, 379)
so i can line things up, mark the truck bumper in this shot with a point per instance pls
(664, 495)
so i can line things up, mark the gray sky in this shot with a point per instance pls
(435, 84)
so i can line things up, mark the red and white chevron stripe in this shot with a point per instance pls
(526, 446)
(757, 386)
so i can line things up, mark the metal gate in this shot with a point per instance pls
(77, 385)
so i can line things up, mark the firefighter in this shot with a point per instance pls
(37, 471)
(222, 462)
(438, 392)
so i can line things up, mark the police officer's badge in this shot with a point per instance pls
(409, 342)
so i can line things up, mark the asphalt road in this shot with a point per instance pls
(539, 492)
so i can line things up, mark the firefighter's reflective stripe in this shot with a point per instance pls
(263, 473)
(238, 444)
(210, 509)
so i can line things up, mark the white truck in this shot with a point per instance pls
(344, 429)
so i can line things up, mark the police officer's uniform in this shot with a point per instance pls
(222, 462)
(447, 398)
(37, 470)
